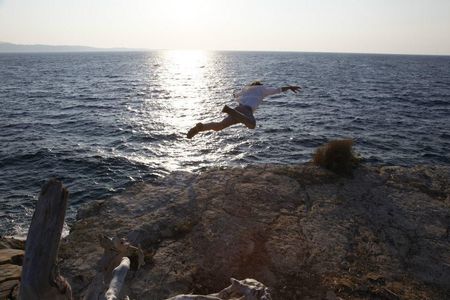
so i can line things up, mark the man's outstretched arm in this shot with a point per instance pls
(268, 91)
(293, 88)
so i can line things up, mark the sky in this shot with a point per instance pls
(359, 26)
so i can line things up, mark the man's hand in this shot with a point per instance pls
(293, 88)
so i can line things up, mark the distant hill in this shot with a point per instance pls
(15, 48)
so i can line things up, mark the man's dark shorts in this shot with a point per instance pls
(243, 109)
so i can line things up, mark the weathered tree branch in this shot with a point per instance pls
(112, 268)
(118, 279)
(247, 289)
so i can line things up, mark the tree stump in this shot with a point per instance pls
(40, 277)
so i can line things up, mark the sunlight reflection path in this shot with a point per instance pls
(183, 88)
(184, 76)
(184, 94)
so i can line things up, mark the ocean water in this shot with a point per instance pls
(102, 121)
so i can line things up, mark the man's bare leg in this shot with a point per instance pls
(216, 126)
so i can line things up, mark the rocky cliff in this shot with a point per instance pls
(301, 230)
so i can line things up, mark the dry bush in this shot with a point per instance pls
(336, 156)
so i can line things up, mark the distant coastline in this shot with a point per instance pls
(6, 47)
(19, 48)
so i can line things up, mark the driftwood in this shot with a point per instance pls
(118, 279)
(112, 268)
(247, 289)
(40, 277)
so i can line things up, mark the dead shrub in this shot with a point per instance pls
(336, 156)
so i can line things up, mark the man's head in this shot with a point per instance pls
(257, 82)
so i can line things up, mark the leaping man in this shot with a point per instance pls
(249, 98)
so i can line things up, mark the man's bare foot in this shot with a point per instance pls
(194, 130)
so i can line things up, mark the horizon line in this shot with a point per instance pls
(130, 49)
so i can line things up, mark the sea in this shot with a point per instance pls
(101, 121)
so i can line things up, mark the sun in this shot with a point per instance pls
(183, 12)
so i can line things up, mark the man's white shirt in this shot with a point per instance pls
(253, 95)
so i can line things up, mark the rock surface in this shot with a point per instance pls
(301, 230)
(11, 256)
(11, 260)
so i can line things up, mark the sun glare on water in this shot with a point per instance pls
(185, 93)
(182, 79)
(185, 78)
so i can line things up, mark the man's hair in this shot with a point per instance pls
(257, 82)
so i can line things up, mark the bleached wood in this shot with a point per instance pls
(116, 250)
(247, 289)
(40, 277)
(119, 274)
